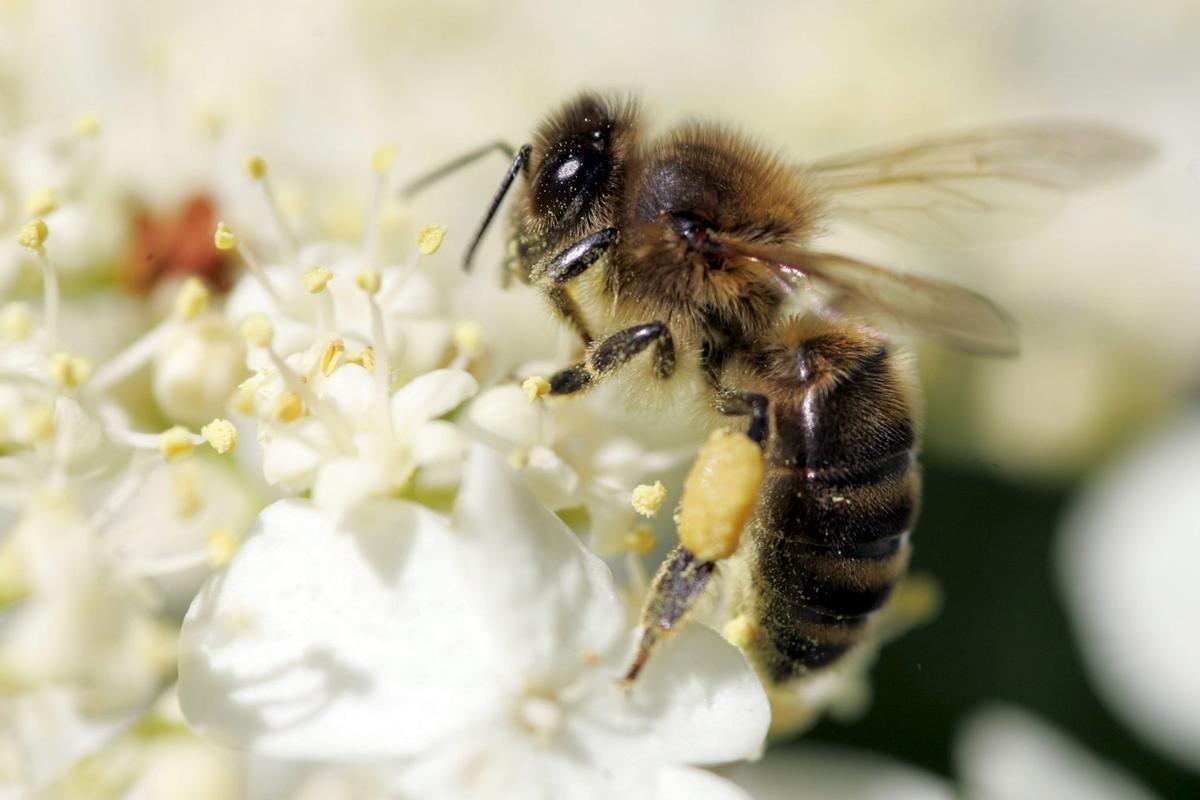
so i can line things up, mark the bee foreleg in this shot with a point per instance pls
(615, 351)
(574, 260)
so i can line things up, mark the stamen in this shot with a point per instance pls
(223, 543)
(33, 238)
(16, 322)
(289, 408)
(468, 339)
(739, 631)
(332, 421)
(225, 240)
(177, 442)
(429, 239)
(369, 280)
(87, 124)
(647, 499)
(640, 541)
(67, 370)
(536, 387)
(331, 356)
(221, 434)
(42, 202)
(129, 360)
(256, 168)
(192, 299)
(381, 166)
(315, 280)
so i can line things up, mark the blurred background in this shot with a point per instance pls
(1106, 294)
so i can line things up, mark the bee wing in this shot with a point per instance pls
(924, 307)
(980, 184)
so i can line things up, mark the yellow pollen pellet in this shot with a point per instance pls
(41, 202)
(468, 337)
(33, 235)
(255, 167)
(640, 540)
(316, 278)
(739, 631)
(87, 124)
(183, 491)
(221, 434)
(647, 498)
(257, 330)
(16, 321)
(331, 356)
(382, 158)
(719, 494)
(368, 279)
(429, 239)
(536, 387)
(224, 239)
(41, 423)
(176, 442)
(289, 407)
(192, 299)
(68, 371)
(222, 545)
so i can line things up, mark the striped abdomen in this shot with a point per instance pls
(830, 535)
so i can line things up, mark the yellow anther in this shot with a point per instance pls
(331, 356)
(221, 434)
(518, 457)
(41, 202)
(315, 279)
(719, 494)
(364, 358)
(289, 407)
(640, 540)
(41, 423)
(224, 239)
(68, 370)
(87, 124)
(176, 442)
(382, 158)
(648, 498)
(368, 279)
(243, 400)
(16, 321)
(536, 387)
(222, 545)
(430, 239)
(257, 330)
(192, 299)
(739, 631)
(33, 235)
(210, 122)
(183, 491)
(255, 167)
(468, 337)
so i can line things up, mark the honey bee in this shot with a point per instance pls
(698, 247)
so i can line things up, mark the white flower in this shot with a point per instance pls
(829, 773)
(1007, 754)
(480, 653)
(197, 368)
(1127, 556)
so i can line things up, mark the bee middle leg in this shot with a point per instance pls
(614, 351)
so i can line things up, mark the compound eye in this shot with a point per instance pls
(572, 176)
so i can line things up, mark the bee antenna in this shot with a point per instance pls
(520, 161)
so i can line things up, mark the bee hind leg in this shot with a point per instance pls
(615, 351)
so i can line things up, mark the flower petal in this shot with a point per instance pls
(828, 773)
(687, 783)
(702, 699)
(336, 640)
(431, 395)
(1127, 556)
(550, 601)
(1007, 754)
